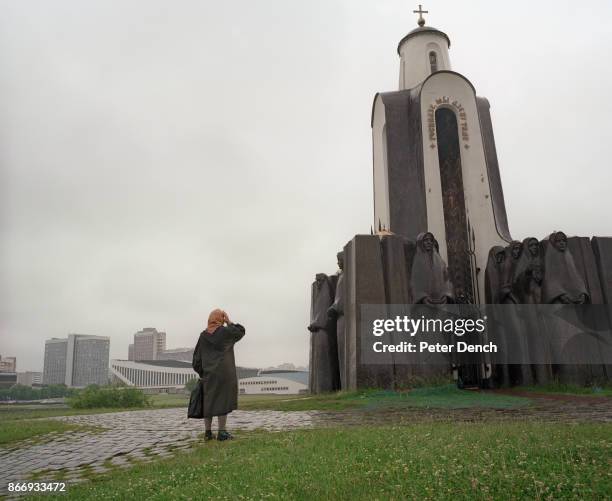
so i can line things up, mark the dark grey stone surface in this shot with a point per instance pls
(397, 255)
(602, 251)
(336, 314)
(408, 208)
(324, 376)
(364, 282)
(495, 185)
(584, 259)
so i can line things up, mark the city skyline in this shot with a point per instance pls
(166, 354)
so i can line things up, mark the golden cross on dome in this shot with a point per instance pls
(420, 12)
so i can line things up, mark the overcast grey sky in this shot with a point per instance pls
(159, 159)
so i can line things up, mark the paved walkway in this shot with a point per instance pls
(128, 437)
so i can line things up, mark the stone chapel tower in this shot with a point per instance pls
(435, 164)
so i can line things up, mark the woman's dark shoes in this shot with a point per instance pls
(208, 435)
(224, 435)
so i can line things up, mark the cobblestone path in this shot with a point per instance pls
(133, 436)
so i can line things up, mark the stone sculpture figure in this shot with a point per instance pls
(527, 282)
(493, 274)
(513, 325)
(513, 253)
(497, 332)
(563, 283)
(529, 273)
(336, 314)
(430, 286)
(429, 279)
(324, 375)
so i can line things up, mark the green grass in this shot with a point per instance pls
(8, 413)
(447, 397)
(421, 461)
(18, 430)
(25, 411)
(167, 400)
(328, 401)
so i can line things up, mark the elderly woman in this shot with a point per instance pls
(213, 360)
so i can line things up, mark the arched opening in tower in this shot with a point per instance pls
(455, 220)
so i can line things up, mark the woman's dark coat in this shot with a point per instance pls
(213, 360)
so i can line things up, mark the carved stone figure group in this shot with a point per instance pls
(429, 284)
(532, 273)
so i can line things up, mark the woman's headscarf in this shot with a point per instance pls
(215, 320)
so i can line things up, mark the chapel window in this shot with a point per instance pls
(433, 61)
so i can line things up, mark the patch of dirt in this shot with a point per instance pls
(543, 408)
(552, 396)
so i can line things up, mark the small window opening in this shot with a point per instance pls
(433, 61)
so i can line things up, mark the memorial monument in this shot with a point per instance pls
(442, 238)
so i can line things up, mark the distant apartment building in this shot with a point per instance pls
(149, 344)
(8, 364)
(78, 360)
(29, 378)
(7, 380)
(183, 354)
(131, 352)
(54, 365)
